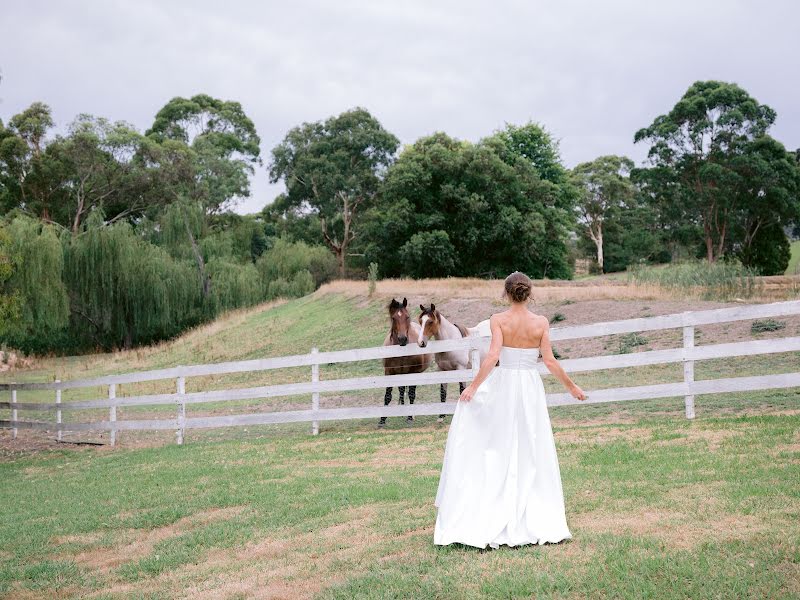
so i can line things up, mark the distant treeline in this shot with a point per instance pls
(112, 238)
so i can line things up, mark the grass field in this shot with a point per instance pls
(659, 506)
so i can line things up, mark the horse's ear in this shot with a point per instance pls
(422, 308)
(405, 302)
(394, 304)
(433, 307)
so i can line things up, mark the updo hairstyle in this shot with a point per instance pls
(518, 287)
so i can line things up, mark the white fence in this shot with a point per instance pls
(687, 354)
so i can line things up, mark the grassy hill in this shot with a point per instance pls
(341, 316)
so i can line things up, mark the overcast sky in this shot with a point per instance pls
(591, 72)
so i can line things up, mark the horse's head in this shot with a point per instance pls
(429, 321)
(401, 321)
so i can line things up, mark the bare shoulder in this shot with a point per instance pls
(500, 317)
(540, 320)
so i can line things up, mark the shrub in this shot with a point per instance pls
(558, 317)
(766, 325)
(428, 254)
(629, 341)
(301, 284)
(373, 277)
(286, 258)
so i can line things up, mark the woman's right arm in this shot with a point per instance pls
(552, 364)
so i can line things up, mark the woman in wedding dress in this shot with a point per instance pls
(500, 481)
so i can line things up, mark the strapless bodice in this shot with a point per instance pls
(518, 358)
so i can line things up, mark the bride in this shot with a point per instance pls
(500, 481)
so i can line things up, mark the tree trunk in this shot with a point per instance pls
(709, 242)
(205, 280)
(340, 260)
(599, 243)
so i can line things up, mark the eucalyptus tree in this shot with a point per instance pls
(333, 168)
(693, 152)
(206, 151)
(604, 189)
(26, 176)
(224, 147)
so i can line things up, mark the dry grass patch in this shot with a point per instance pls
(676, 529)
(285, 564)
(602, 435)
(140, 544)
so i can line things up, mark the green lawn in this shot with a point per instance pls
(658, 506)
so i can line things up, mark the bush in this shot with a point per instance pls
(769, 253)
(301, 284)
(629, 341)
(373, 277)
(766, 325)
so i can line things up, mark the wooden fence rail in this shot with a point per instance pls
(688, 354)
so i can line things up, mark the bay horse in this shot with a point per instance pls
(403, 329)
(433, 324)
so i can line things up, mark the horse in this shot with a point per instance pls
(433, 324)
(402, 330)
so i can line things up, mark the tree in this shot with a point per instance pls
(98, 164)
(35, 280)
(692, 152)
(100, 170)
(769, 251)
(449, 207)
(333, 168)
(605, 187)
(767, 197)
(25, 174)
(535, 144)
(224, 147)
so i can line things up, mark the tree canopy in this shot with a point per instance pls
(449, 207)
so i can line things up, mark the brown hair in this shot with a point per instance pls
(518, 287)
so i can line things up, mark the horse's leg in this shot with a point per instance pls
(412, 395)
(461, 386)
(387, 398)
(442, 398)
(402, 389)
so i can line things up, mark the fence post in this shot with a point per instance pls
(475, 359)
(112, 415)
(314, 395)
(14, 413)
(181, 411)
(58, 412)
(688, 369)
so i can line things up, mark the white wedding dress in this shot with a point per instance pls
(500, 481)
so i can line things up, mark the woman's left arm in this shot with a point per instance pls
(488, 363)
